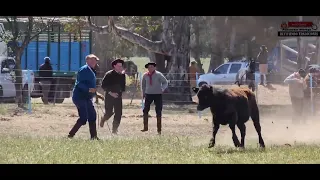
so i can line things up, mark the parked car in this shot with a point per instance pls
(7, 80)
(227, 74)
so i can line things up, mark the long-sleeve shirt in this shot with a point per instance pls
(114, 82)
(45, 72)
(296, 87)
(154, 85)
(85, 79)
(262, 57)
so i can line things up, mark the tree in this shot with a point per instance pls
(174, 44)
(20, 37)
(198, 23)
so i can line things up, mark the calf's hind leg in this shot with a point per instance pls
(258, 129)
(256, 122)
(234, 135)
(242, 128)
(232, 126)
(216, 127)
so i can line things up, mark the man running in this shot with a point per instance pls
(83, 93)
(114, 84)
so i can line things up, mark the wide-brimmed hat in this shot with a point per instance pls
(150, 63)
(116, 61)
(92, 56)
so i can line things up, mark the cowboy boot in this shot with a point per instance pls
(262, 79)
(115, 126)
(145, 123)
(105, 118)
(93, 130)
(74, 129)
(159, 124)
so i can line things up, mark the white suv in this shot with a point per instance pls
(227, 74)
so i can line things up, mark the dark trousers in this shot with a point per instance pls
(157, 99)
(111, 104)
(297, 107)
(86, 112)
(45, 87)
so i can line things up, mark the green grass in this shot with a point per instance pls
(144, 150)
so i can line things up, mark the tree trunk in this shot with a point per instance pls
(18, 78)
(179, 88)
(160, 59)
(216, 52)
(102, 46)
(232, 48)
(196, 47)
(302, 50)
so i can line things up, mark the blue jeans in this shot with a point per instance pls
(86, 110)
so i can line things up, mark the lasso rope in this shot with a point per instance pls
(100, 117)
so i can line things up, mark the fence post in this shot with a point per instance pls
(140, 79)
(197, 76)
(29, 91)
(311, 94)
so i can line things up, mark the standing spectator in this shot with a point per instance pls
(193, 70)
(83, 92)
(263, 64)
(45, 74)
(296, 90)
(153, 85)
(114, 84)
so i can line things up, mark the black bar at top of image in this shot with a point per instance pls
(298, 33)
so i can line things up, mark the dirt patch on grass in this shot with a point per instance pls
(57, 120)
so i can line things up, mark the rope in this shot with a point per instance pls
(100, 117)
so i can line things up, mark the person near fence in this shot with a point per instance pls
(114, 84)
(315, 73)
(83, 92)
(45, 75)
(153, 85)
(297, 85)
(262, 58)
(193, 70)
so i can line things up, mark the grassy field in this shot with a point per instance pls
(145, 150)
(40, 137)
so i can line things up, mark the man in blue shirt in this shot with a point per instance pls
(83, 93)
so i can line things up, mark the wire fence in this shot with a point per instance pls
(178, 91)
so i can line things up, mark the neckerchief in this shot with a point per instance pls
(150, 76)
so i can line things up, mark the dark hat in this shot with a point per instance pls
(302, 72)
(263, 47)
(116, 61)
(150, 63)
